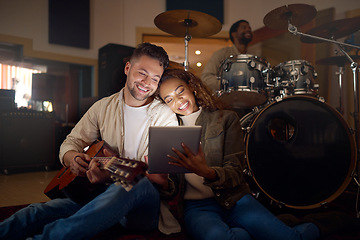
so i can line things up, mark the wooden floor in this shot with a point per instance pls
(24, 188)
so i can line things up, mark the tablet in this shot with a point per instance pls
(162, 139)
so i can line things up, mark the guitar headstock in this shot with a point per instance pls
(125, 171)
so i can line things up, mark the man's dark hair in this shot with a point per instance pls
(152, 51)
(234, 28)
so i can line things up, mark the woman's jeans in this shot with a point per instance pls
(248, 219)
(65, 219)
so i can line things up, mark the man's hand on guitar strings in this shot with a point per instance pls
(79, 164)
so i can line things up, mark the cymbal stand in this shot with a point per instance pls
(187, 38)
(340, 73)
(292, 29)
(354, 67)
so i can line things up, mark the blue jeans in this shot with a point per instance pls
(248, 219)
(65, 219)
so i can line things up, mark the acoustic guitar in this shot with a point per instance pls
(123, 171)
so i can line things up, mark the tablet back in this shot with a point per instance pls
(162, 139)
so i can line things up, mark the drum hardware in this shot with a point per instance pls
(337, 60)
(292, 29)
(187, 24)
(256, 195)
(295, 77)
(248, 172)
(324, 204)
(227, 66)
(340, 74)
(246, 120)
(332, 30)
(340, 62)
(356, 181)
(278, 98)
(278, 204)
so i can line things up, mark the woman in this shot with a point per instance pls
(217, 200)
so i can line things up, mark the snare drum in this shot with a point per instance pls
(242, 81)
(300, 152)
(296, 77)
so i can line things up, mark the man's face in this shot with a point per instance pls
(143, 76)
(244, 33)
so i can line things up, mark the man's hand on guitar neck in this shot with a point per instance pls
(95, 173)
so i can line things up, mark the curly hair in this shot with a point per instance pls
(203, 95)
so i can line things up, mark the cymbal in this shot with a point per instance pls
(178, 22)
(335, 29)
(337, 60)
(296, 14)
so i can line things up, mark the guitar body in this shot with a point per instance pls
(79, 189)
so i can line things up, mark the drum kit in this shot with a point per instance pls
(299, 150)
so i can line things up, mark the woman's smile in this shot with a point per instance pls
(178, 96)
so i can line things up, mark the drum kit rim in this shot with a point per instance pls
(189, 23)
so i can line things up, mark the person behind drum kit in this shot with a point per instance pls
(215, 200)
(240, 35)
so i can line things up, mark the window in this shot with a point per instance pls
(19, 79)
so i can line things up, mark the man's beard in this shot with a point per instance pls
(244, 40)
(133, 92)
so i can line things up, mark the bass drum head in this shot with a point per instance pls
(300, 152)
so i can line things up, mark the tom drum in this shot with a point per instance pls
(242, 81)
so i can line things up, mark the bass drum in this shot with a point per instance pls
(300, 152)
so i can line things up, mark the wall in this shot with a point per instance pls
(115, 21)
(25, 22)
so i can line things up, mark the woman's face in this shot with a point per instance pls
(178, 96)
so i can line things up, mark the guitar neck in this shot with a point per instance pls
(114, 164)
(124, 171)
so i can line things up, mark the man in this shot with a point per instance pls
(240, 35)
(122, 120)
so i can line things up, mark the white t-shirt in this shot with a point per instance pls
(135, 119)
